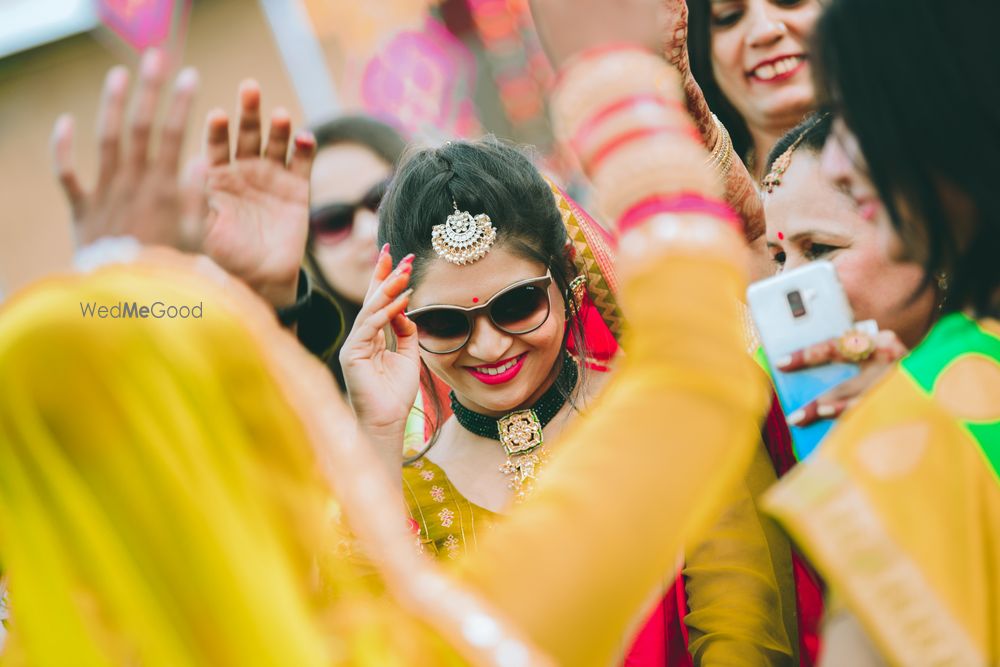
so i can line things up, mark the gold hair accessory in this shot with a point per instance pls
(780, 166)
(463, 239)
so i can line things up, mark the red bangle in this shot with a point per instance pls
(596, 52)
(613, 144)
(579, 140)
(685, 202)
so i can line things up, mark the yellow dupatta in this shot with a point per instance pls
(165, 491)
(900, 507)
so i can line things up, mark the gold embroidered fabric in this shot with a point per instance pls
(449, 525)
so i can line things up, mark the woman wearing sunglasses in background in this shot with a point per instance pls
(500, 317)
(356, 158)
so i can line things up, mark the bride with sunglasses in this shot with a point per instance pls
(521, 325)
(476, 233)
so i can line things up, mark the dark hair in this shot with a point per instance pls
(915, 82)
(700, 55)
(811, 134)
(381, 138)
(485, 176)
(388, 144)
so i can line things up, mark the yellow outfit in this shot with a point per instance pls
(739, 582)
(165, 486)
(122, 440)
(449, 525)
(738, 578)
(899, 508)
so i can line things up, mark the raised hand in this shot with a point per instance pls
(674, 29)
(258, 203)
(740, 187)
(135, 194)
(382, 383)
(566, 27)
(888, 350)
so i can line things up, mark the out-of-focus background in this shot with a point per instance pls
(434, 68)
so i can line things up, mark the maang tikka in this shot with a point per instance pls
(462, 238)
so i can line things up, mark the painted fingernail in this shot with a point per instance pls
(407, 259)
(150, 62)
(118, 77)
(305, 139)
(797, 417)
(187, 79)
(825, 411)
(64, 123)
(385, 249)
(784, 361)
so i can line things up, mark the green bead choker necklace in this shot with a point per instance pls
(520, 432)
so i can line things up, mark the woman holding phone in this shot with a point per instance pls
(897, 507)
(809, 219)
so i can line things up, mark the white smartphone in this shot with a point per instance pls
(792, 311)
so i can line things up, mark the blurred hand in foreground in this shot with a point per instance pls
(567, 27)
(248, 211)
(135, 194)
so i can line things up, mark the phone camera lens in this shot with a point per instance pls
(796, 304)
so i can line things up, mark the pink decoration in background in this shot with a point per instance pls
(140, 23)
(424, 81)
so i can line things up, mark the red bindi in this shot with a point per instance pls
(781, 236)
(475, 299)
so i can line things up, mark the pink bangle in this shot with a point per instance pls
(685, 202)
(597, 52)
(591, 163)
(588, 126)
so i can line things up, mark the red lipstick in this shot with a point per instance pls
(511, 367)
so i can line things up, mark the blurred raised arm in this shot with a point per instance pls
(678, 423)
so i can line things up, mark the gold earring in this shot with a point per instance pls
(941, 278)
(578, 292)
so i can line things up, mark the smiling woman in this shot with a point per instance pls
(498, 311)
(809, 219)
(751, 59)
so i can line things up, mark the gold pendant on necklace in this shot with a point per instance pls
(521, 437)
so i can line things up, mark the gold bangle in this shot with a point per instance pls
(721, 158)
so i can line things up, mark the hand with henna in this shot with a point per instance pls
(740, 187)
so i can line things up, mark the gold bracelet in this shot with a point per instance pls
(721, 158)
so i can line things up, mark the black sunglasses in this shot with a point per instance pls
(333, 222)
(517, 309)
